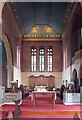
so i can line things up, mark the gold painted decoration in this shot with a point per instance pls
(48, 29)
(35, 29)
(40, 32)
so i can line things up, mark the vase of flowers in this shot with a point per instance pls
(13, 83)
(70, 84)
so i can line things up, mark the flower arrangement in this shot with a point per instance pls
(13, 83)
(70, 84)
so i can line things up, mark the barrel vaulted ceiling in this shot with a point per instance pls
(29, 14)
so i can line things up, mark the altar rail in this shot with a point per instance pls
(41, 80)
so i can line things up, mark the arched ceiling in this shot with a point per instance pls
(31, 13)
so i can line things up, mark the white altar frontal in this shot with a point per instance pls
(9, 97)
(71, 98)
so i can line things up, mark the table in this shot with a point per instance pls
(53, 93)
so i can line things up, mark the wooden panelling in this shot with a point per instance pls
(41, 80)
(31, 81)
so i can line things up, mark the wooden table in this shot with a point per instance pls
(53, 93)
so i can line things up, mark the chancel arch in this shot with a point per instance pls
(9, 59)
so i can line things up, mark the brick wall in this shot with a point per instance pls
(57, 54)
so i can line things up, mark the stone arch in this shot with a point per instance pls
(8, 49)
(2, 3)
(9, 59)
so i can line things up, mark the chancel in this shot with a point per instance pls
(40, 59)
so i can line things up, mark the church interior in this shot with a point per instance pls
(40, 60)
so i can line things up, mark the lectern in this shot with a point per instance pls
(17, 111)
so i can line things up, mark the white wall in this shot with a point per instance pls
(68, 73)
(17, 75)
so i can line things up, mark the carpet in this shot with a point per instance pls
(43, 109)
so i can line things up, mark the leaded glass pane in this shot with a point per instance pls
(41, 59)
(49, 59)
(33, 59)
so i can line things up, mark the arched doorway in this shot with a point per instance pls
(9, 60)
(74, 74)
(75, 80)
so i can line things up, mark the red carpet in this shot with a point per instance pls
(44, 108)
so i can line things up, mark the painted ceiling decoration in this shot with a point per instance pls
(42, 20)
(29, 14)
(39, 32)
(42, 37)
(37, 29)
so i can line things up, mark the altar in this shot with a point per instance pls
(53, 93)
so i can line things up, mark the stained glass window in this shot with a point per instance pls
(49, 59)
(41, 59)
(33, 59)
